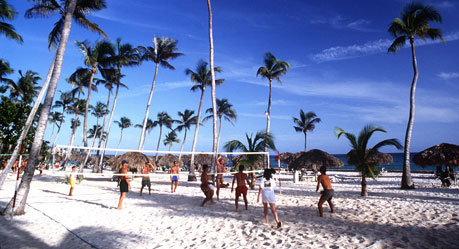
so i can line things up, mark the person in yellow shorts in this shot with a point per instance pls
(72, 178)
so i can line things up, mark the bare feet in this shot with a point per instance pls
(279, 224)
(212, 203)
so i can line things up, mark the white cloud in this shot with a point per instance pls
(276, 102)
(339, 22)
(369, 48)
(128, 22)
(261, 115)
(448, 76)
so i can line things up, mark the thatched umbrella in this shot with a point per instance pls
(237, 159)
(315, 157)
(288, 157)
(168, 160)
(136, 160)
(376, 157)
(440, 154)
(186, 159)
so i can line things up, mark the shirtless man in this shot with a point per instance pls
(146, 179)
(206, 185)
(241, 187)
(174, 175)
(327, 193)
(219, 180)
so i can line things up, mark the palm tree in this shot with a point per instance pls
(94, 57)
(56, 119)
(60, 33)
(414, 21)
(257, 144)
(148, 128)
(99, 110)
(7, 12)
(305, 123)
(359, 156)
(170, 139)
(184, 123)
(123, 124)
(66, 99)
(166, 120)
(223, 111)
(213, 89)
(202, 78)
(273, 69)
(164, 50)
(25, 88)
(5, 70)
(124, 55)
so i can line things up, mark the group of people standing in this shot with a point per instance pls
(209, 185)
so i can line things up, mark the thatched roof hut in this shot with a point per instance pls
(315, 157)
(376, 157)
(440, 154)
(136, 160)
(288, 157)
(237, 159)
(168, 160)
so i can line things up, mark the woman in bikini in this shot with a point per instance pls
(124, 183)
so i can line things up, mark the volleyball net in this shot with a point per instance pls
(81, 156)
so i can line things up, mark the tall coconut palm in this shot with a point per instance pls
(305, 123)
(109, 77)
(93, 57)
(124, 56)
(55, 119)
(358, 155)
(99, 111)
(59, 35)
(5, 70)
(166, 120)
(163, 51)
(26, 87)
(66, 99)
(223, 111)
(201, 78)
(213, 88)
(148, 128)
(184, 123)
(170, 139)
(414, 21)
(124, 123)
(7, 12)
(272, 69)
(254, 144)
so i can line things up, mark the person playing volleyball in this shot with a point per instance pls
(206, 185)
(241, 188)
(327, 193)
(124, 183)
(146, 179)
(174, 174)
(267, 186)
(72, 180)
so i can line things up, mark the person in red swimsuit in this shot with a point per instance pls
(241, 188)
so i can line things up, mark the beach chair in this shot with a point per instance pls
(341, 178)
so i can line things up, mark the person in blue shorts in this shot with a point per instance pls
(174, 174)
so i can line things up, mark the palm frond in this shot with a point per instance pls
(398, 43)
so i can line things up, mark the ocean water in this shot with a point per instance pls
(397, 164)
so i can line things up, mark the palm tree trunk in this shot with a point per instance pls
(85, 122)
(192, 176)
(213, 90)
(268, 118)
(142, 136)
(92, 145)
(219, 132)
(119, 143)
(98, 163)
(72, 138)
(52, 132)
(364, 191)
(305, 142)
(181, 148)
(407, 182)
(24, 186)
(159, 140)
(27, 125)
(110, 120)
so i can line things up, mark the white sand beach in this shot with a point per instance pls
(427, 217)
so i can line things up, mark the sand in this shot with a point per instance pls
(426, 217)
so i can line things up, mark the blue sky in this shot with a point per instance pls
(340, 68)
